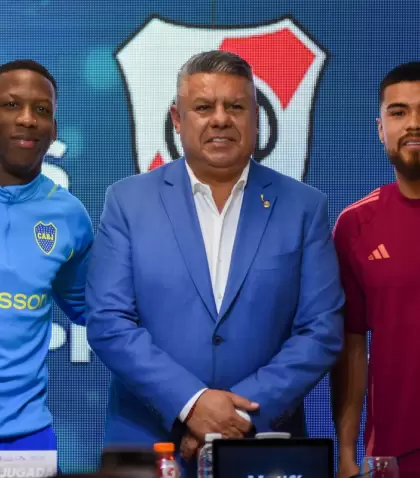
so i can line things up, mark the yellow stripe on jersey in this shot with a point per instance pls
(53, 190)
(71, 255)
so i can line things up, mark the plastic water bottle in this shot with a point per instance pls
(205, 457)
(167, 467)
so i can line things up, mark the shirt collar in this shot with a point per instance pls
(20, 193)
(198, 186)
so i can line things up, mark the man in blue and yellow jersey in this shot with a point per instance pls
(45, 238)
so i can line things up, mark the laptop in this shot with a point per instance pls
(273, 458)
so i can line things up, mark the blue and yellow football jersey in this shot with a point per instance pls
(45, 238)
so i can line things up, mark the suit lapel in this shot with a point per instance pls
(252, 223)
(178, 200)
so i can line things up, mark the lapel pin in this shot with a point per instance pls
(265, 202)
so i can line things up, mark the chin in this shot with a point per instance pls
(23, 168)
(407, 167)
(222, 164)
(226, 161)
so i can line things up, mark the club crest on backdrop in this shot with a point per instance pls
(287, 65)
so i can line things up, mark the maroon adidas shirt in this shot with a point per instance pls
(378, 245)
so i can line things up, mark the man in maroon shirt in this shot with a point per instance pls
(378, 245)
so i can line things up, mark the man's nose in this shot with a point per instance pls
(26, 118)
(220, 117)
(414, 120)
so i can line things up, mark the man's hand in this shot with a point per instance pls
(214, 412)
(190, 446)
(347, 468)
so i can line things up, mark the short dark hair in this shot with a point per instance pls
(216, 61)
(404, 72)
(29, 65)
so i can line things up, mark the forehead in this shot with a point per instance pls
(213, 85)
(407, 92)
(27, 84)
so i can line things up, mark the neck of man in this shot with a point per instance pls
(220, 180)
(409, 189)
(10, 179)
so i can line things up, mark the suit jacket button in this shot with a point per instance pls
(217, 340)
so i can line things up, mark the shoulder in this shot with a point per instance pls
(72, 208)
(349, 222)
(139, 183)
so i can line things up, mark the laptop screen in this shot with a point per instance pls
(273, 458)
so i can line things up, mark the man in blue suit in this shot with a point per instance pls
(213, 292)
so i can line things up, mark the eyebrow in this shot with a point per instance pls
(36, 100)
(397, 105)
(201, 98)
(211, 100)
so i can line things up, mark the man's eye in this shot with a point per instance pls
(10, 104)
(42, 109)
(397, 113)
(202, 107)
(237, 107)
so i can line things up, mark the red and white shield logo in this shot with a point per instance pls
(286, 64)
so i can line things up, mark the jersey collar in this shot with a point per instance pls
(21, 193)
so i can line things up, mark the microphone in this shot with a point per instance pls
(398, 458)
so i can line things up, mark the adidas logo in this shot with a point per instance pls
(379, 253)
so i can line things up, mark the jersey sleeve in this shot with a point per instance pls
(355, 311)
(69, 284)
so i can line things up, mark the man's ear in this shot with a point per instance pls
(380, 129)
(175, 118)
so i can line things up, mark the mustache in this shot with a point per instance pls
(408, 136)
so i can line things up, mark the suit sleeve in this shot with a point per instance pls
(114, 329)
(355, 311)
(70, 282)
(316, 336)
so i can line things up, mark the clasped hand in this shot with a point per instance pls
(214, 412)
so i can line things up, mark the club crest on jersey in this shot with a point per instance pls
(286, 63)
(45, 236)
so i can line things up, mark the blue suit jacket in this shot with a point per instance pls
(152, 319)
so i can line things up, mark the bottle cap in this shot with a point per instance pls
(284, 435)
(209, 437)
(164, 447)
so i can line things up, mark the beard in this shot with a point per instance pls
(408, 167)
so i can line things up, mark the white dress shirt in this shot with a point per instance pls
(219, 232)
